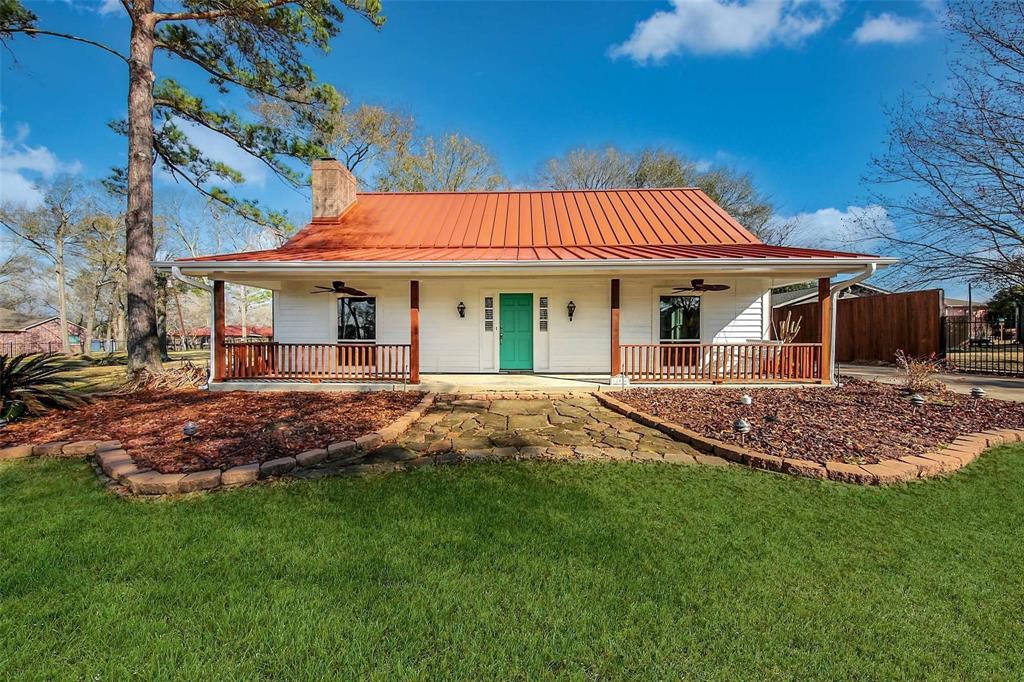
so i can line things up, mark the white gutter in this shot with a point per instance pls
(638, 263)
(833, 293)
(192, 282)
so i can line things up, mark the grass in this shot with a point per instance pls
(517, 570)
(90, 378)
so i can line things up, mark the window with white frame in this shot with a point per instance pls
(679, 319)
(357, 319)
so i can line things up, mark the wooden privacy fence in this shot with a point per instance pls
(873, 328)
(316, 361)
(722, 362)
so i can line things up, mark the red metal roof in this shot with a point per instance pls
(527, 226)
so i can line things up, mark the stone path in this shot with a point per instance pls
(572, 427)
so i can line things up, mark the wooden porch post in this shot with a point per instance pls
(825, 301)
(414, 332)
(616, 354)
(219, 351)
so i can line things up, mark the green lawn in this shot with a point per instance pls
(96, 378)
(517, 570)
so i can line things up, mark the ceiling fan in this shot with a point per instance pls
(338, 288)
(698, 285)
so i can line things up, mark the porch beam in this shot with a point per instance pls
(825, 304)
(219, 349)
(616, 364)
(414, 331)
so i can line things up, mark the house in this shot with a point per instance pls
(30, 334)
(785, 299)
(958, 307)
(652, 285)
(200, 336)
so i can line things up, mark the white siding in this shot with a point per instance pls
(449, 343)
(734, 315)
(304, 317)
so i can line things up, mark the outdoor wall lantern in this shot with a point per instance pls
(572, 309)
(461, 307)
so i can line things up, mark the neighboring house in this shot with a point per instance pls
(785, 299)
(956, 307)
(652, 285)
(232, 333)
(27, 334)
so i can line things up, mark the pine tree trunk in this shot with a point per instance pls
(143, 343)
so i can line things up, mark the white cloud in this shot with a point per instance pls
(110, 6)
(726, 26)
(22, 167)
(888, 28)
(831, 228)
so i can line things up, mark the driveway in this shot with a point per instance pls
(1001, 388)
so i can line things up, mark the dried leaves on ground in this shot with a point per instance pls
(234, 428)
(861, 421)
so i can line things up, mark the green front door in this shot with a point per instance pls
(516, 333)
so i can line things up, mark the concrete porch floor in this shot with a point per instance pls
(439, 383)
(480, 383)
(475, 383)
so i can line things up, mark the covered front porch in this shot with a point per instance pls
(584, 337)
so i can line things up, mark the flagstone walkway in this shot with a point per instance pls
(573, 427)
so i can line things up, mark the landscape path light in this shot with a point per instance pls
(742, 427)
(977, 393)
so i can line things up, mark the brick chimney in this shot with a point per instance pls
(334, 188)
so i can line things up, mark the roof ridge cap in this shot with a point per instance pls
(535, 191)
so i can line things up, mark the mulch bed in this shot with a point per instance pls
(234, 428)
(861, 422)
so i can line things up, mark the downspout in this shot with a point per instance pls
(192, 282)
(833, 293)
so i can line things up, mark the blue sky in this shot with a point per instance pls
(792, 92)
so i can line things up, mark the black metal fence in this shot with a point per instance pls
(972, 345)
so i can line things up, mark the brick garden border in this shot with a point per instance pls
(125, 475)
(958, 454)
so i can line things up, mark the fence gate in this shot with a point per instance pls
(983, 347)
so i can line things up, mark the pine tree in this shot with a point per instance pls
(252, 46)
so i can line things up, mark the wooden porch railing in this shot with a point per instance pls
(316, 362)
(722, 363)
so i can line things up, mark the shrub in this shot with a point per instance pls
(919, 373)
(36, 381)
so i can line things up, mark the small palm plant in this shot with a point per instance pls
(34, 384)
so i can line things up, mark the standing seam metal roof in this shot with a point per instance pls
(527, 226)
